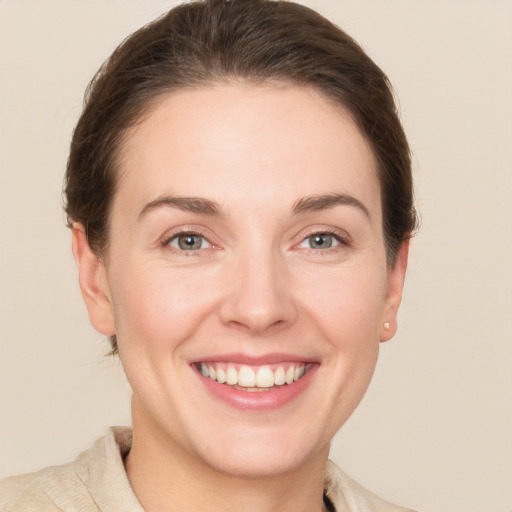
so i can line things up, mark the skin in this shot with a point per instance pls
(256, 286)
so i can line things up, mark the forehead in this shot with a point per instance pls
(244, 145)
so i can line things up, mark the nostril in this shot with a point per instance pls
(255, 327)
(259, 298)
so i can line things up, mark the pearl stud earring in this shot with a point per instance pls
(386, 325)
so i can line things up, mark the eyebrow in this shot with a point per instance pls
(325, 201)
(186, 204)
(207, 207)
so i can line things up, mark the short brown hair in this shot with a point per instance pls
(211, 41)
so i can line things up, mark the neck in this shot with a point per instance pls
(166, 477)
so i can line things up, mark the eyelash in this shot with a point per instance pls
(341, 238)
(166, 242)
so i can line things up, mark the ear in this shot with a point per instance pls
(396, 277)
(93, 283)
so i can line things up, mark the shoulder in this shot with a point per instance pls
(95, 481)
(348, 496)
(56, 488)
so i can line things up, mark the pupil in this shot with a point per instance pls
(190, 242)
(320, 241)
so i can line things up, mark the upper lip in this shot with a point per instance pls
(252, 360)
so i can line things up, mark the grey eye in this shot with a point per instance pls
(320, 241)
(189, 242)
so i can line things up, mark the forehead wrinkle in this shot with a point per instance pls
(189, 204)
(322, 202)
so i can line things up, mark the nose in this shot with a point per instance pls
(259, 295)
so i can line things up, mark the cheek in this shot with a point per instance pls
(158, 307)
(345, 302)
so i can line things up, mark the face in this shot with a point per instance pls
(246, 280)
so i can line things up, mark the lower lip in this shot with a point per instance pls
(259, 400)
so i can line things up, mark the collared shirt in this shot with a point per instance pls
(97, 482)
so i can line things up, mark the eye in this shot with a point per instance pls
(320, 241)
(189, 242)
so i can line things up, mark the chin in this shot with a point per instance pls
(267, 453)
(257, 465)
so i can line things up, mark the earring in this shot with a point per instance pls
(386, 325)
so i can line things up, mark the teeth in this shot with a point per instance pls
(246, 377)
(265, 377)
(299, 372)
(231, 376)
(259, 379)
(221, 376)
(280, 376)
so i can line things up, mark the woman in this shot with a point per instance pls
(240, 198)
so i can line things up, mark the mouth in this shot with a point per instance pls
(253, 378)
(256, 383)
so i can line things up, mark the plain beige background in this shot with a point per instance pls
(435, 429)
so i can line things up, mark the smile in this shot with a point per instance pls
(251, 378)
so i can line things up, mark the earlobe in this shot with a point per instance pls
(396, 277)
(93, 283)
